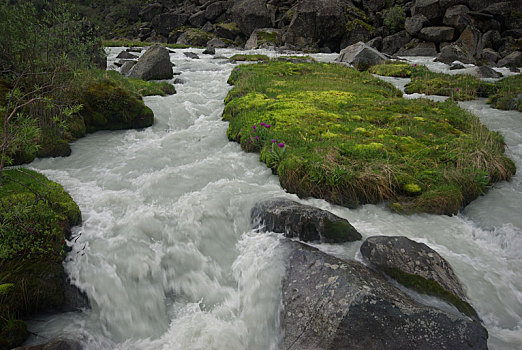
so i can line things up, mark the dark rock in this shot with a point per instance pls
(421, 48)
(376, 43)
(134, 49)
(215, 9)
(198, 19)
(217, 43)
(55, 344)
(361, 55)
(331, 303)
(514, 59)
(227, 30)
(209, 51)
(490, 56)
(454, 52)
(358, 32)
(444, 4)
(192, 55)
(456, 65)
(154, 64)
(148, 12)
(457, 17)
(491, 39)
(249, 15)
(74, 298)
(436, 34)
(192, 37)
(469, 41)
(166, 22)
(483, 72)
(126, 67)
(178, 81)
(429, 8)
(414, 24)
(302, 221)
(126, 55)
(373, 6)
(317, 22)
(391, 44)
(325, 50)
(208, 27)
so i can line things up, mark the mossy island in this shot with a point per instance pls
(341, 135)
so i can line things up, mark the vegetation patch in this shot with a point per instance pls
(508, 94)
(397, 69)
(36, 215)
(334, 133)
(249, 58)
(458, 87)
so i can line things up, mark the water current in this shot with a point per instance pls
(166, 253)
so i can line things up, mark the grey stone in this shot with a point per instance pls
(150, 11)
(126, 55)
(250, 14)
(165, 23)
(391, 44)
(482, 72)
(421, 48)
(437, 34)
(331, 304)
(215, 9)
(454, 52)
(490, 56)
(208, 27)
(456, 65)
(302, 221)
(178, 81)
(361, 55)
(191, 55)
(429, 8)
(514, 59)
(217, 43)
(457, 17)
(414, 24)
(258, 39)
(126, 67)
(376, 43)
(154, 64)
(209, 51)
(491, 39)
(198, 19)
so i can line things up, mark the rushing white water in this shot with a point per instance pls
(166, 253)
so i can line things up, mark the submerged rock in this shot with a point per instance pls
(192, 55)
(55, 344)
(126, 55)
(404, 260)
(330, 303)
(154, 64)
(305, 222)
(361, 56)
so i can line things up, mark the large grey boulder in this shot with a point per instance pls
(420, 48)
(417, 266)
(457, 17)
(392, 43)
(514, 59)
(415, 23)
(165, 23)
(436, 34)
(429, 8)
(250, 14)
(454, 52)
(215, 9)
(482, 72)
(331, 303)
(302, 221)
(264, 37)
(154, 64)
(148, 12)
(361, 56)
(126, 67)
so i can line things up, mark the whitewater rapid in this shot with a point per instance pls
(166, 253)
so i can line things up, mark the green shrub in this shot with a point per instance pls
(394, 18)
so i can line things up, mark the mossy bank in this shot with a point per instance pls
(36, 216)
(334, 133)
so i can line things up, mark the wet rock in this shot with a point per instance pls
(436, 34)
(302, 221)
(134, 49)
(361, 56)
(483, 72)
(514, 59)
(331, 303)
(178, 81)
(55, 344)
(417, 266)
(209, 51)
(126, 55)
(456, 65)
(74, 298)
(154, 64)
(192, 55)
(454, 52)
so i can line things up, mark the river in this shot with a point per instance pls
(166, 254)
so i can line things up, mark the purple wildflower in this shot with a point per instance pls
(415, 65)
(281, 144)
(262, 124)
(457, 89)
(274, 140)
(254, 127)
(267, 126)
(257, 137)
(251, 141)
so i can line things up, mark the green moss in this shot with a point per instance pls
(249, 58)
(396, 69)
(6, 288)
(340, 231)
(353, 24)
(230, 26)
(430, 287)
(352, 139)
(194, 36)
(508, 94)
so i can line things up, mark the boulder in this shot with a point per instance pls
(165, 23)
(483, 72)
(360, 55)
(317, 22)
(470, 40)
(436, 34)
(264, 37)
(414, 24)
(55, 344)
(148, 12)
(514, 59)
(126, 55)
(198, 19)
(126, 67)
(210, 50)
(215, 9)
(457, 17)
(419, 48)
(417, 266)
(429, 8)
(178, 81)
(302, 221)
(191, 55)
(249, 15)
(491, 39)
(358, 31)
(392, 43)
(208, 27)
(192, 37)
(456, 65)
(227, 30)
(376, 43)
(217, 43)
(490, 56)
(331, 303)
(154, 64)
(454, 52)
